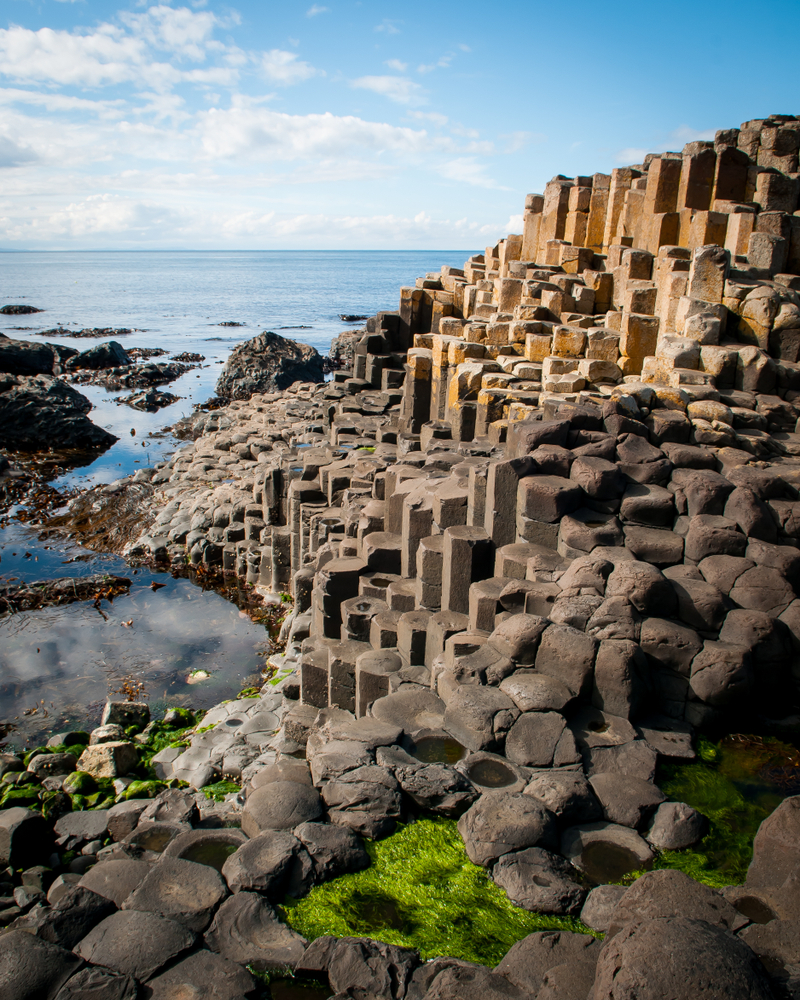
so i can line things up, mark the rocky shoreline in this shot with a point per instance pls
(540, 536)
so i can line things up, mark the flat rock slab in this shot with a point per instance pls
(626, 800)
(180, 890)
(691, 958)
(88, 824)
(31, 969)
(247, 930)
(281, 805)
(203, 974)
(411, 710)
(157, 942)
(116, 880)
(71, 918)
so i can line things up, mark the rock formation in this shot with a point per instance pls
(266, 363)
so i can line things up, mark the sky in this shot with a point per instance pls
(340, 124)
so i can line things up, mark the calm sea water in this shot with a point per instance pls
(64, 659)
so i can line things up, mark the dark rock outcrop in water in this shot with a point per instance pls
(19, 310)
(108, 355)
(268, 363)
(40, 412)
(18, 357)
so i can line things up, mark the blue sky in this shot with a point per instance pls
(340, 124)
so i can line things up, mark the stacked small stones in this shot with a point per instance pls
(551, 514)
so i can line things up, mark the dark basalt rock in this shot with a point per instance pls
(40, 412)
(14, 310)
(32, 969)
(267, 363)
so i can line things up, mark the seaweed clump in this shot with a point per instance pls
(423, 892)
(735, 784)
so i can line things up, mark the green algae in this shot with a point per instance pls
(735, 784)
(422, 891)
(220, 789)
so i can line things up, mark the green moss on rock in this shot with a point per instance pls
(422, 891)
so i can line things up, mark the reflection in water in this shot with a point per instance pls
(66, 660)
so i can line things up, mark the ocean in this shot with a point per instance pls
(57, 665)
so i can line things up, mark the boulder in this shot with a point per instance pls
(625, 800)
(667, 894)
(436, 788)
(535, 692)
(379, 969)
(69, 919)
(539, 881)
(179, 890)
(21, 357)
(468, 982)
(273, 863)
(109, 760)
(192, 976)
(527, 962)
(94, 983)
(479, 717)
(116, 879)
(247, 930)
(334, 850)
(776, 848)
(533, 738)
(504, 822)
(32, 969)
(41, 412)
(600, 905)
(25, 837)
(281, 805)
(676, 825)
(157, 942)
(108, 355)
(567, 794)
(173, 805)
(367, 800)
(678, 957)
(268, 363)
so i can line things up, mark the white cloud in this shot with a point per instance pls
(515, 141)
(285, 68)
(247, 130)
(465, 48)
(396, 88)
(684, 134)
(466, 170)
(316, 9)
(631, 154)
(105, 214)
(441, 63)
(430, 116)
(13, 155)
(388, 26)
(401, 67)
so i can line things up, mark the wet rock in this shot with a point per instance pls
(273, 863)
(527, 962)
(688, 954)
(94, 983)
(267, 363)
(158, 941)
(247, 930)
(126, 713)
(31, 969)
(109, 355)
(670, 894)
(281, 805)
(179, 890)
(192, 976)
(499, 824)
(539, 881)
(40, 412)
(334, 850)
(605, 851)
